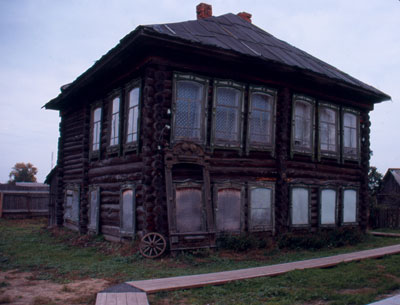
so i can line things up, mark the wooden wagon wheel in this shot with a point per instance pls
(152, 245)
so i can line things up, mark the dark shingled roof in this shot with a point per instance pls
(233, 33)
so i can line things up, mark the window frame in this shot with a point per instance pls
(189, 184)
(74, 188)
(355, 157)
(263, 228)
(111, 149)
(122, 231)
(351, 223)
(321, 189)
(328, 153)
(229, 185)
(204, 107)
(308, 188)
(260, 146)
(303, 99)
(134, 145)
(217, 143)
(95, 154)
(96, 228)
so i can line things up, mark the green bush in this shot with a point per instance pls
(241, 243)
(337, 237)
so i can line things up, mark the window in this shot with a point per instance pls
(228, 208)
(227, 119)
(328, 130)
(133, 116)
(328, 207)
(114, 136)
(350, 135)
(300, 203)
(189, 208)
(349, 206)
(261, 118)
(303, 125)
(94, 209)
(72, 204)
(127, 211)
(96, 128)
(261, 208)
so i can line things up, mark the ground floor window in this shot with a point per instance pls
(349, 206)
(328, 206)
(72, 204)
(300, 206)
(94, 209)
(261, 207)
(189, 208)
(228, 201)
(127, 210)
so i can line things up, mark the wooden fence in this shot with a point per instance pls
(24, 202)
(385, 217)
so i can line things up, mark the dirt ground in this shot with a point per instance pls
(21, 288)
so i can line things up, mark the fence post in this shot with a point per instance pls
(1, 204)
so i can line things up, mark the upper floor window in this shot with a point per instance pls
(303, 125)
(189, 108)
(350, 135)
(227, 119)
(132, 116)
(114, 136)
(96, 128)
(328, 130)
(261, 118)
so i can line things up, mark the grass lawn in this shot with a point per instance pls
(63, 256)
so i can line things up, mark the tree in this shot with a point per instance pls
(374, 180)
(22, 172)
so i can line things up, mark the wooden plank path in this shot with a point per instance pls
(386, 234)
(217, 278)
(122, 298)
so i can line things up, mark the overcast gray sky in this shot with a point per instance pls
(47, 43)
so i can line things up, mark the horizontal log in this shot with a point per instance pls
(110, 230)
(115, 169)
(134, 177)
(105, 207)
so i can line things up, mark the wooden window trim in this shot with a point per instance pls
(348, 157)
(229, 185)
(259, 146)
(75, 188)
(114, 149)
(204, 106)
(189, 184)
(308, 188)
(134, 145)
(255, 185)
(311, 101)
(127, 187)
(321, 189)
(354, 223)
(235, 145)
(96, 228)
(327, 153)
(95, 154)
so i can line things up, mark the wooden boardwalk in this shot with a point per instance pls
(218, 278)
(122, 298)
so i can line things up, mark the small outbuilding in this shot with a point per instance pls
(389, 193)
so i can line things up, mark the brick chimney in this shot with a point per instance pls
(245, 16)
(204, 10)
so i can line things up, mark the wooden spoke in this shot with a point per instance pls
(152, 245)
